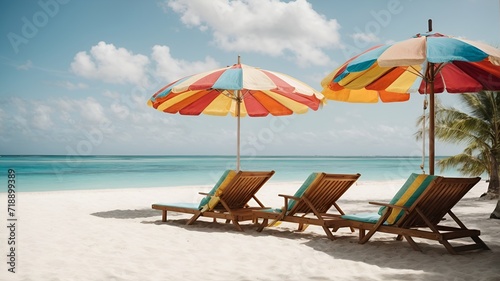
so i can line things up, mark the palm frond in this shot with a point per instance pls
(477, 128)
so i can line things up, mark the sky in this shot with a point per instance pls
(76, 75)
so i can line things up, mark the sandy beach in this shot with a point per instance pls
(115, 235)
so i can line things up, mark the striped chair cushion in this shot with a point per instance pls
(211, 200)
(406, 196)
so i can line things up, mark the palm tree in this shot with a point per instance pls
(479, 130)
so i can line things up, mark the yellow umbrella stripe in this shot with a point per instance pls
(294, 106)
(220, 106)
(355, 96)
(243, 109)
(175, 100)
(329, 78)
(354, 80)
(404, 82)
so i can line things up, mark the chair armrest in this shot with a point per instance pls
(389, 205)
(289, 197)
(378, 203)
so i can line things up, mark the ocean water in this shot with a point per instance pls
(54, 173)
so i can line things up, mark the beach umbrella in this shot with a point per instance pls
(240, 90)
(431, 62)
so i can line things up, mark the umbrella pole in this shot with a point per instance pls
(238, 104)
(238, 113)
(430, 79)
(431, 119)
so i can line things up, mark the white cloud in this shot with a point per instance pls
(357, 134)
(107, 63)
(110, 64)
(379, 136)
(111, 94)
(26, 66)
(71, 86)
(92, 111)
(19, 104)
(364, 38)
(120, 110)
(383, 129)
(172, 69)
(3, 119)
(41, 119)
(21, 124)
(64, 105)
(246, 25)
(67, 121)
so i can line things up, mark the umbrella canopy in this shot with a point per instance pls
(240, 90)
(389, 72)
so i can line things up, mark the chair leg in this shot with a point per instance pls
(302, 227)
(329, 233)
(262, 225)
(299, 228)
(237, 225)
(412, 243)
(480, 242)
(367, 236)
(375, 227)
(164, 216)
(361, 234)
(194, 218)
(448, 247)
(478, 245)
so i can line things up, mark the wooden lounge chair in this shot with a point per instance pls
(227, 200)
(423, 218)
(311, 202)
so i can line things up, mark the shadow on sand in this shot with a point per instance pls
(126, 214)
(381, 251)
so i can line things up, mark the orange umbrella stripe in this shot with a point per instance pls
(487, 66)
(272, 106)
(393, 97)
(387, 79)
(254, 107)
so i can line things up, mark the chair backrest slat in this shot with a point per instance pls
(243, 187)
(439, 198)
(324, 192)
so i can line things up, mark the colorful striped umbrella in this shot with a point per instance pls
(390, 72)
(240, 90)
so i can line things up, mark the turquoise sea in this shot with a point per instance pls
(54, 173)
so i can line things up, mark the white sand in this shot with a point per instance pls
(114, 235)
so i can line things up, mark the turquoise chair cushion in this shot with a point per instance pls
(303, 189)
(363, 217)
(272, 210)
